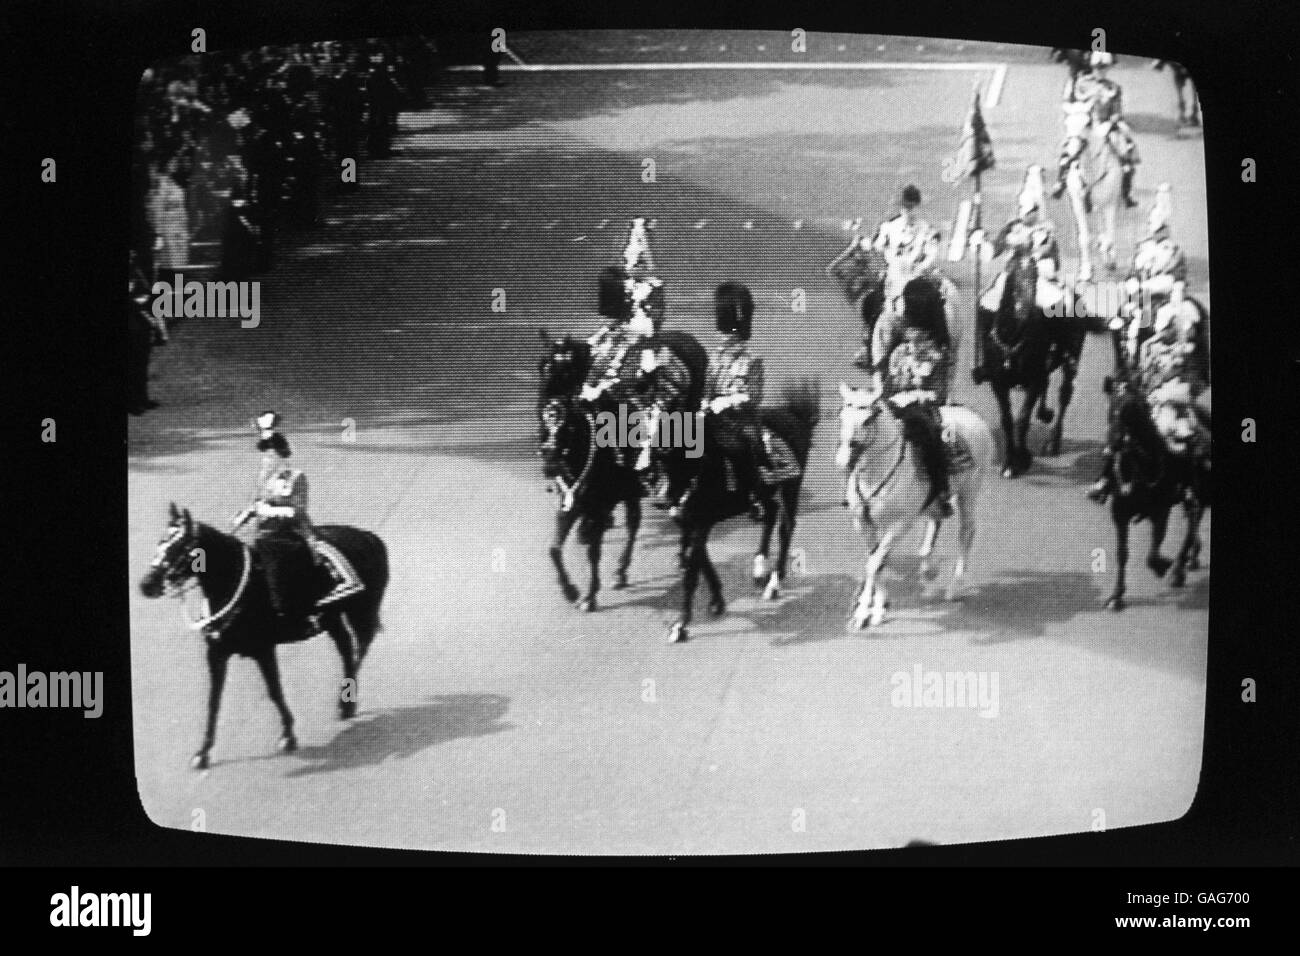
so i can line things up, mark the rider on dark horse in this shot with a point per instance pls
(281, 509)
(1104, 100)
(916, 379)
(734, 390)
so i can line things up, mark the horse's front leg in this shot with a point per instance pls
(965, 541)
(762, 567)
(1052, 447)
(1156, 561)
(928, 571)
(218, 659)
(1003, 394)
(1023, 459)
(342, 638)
(593, 530)
(691, 562)
(1192, 510)
(871, 604)
(717, 606)
(632, 506)
(563, 525)
(270, 668)
(788, 503)
(1120, 515)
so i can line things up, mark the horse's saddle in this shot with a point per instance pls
(293, 577)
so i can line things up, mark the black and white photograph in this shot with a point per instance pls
(668, 442)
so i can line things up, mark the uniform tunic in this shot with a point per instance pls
(1157, 265)
(910, 250)
(282, 504)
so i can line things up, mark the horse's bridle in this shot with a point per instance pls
(175, 577)
(858, 446)
(554, 414)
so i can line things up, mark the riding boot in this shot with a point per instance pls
(1126, 186)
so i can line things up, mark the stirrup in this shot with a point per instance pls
(341, 591)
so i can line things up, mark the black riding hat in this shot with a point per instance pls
(734, 308)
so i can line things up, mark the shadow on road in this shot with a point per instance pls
(405, 731)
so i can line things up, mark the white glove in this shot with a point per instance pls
(590, 393)
(649, 361)
(977, 239)
(720, 404)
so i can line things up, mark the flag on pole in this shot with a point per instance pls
(975, 154)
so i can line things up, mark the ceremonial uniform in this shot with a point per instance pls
(911, 249)
(283, 523)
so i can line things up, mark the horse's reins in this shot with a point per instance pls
(204, 623)
(570, 491)
(856, 456)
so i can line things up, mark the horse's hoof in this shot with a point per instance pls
(717, 607)
(1178, 579)
(347, 709)
(199, 761)
(855, 623)
(587, 605)
(677, 634)
(929, 571)
(1115, 602)
(570, 593)
(1159, 566)
(773, 590)
(1008, 472)
(1193, 563)
(620, 581)
(1045, 414)
(1051, 448)
(287, 744)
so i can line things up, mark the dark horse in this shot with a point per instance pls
(230, 575)
(1149, 481)
(591, 479)
(1020, 346)
(705, 497)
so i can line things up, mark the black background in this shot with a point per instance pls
(67, 786)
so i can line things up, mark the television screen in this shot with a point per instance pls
(668, 442)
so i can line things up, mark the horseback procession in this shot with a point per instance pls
(908, 452)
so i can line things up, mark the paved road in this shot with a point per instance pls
(487, 700)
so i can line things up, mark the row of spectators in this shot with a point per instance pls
(229, 147)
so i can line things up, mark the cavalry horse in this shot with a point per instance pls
(591, 479)
(1017, 345)
(1150, 479)
(887, 487)
(1094, 181)
(705, 495)
(230, 575)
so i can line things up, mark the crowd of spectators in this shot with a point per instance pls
(230, 147)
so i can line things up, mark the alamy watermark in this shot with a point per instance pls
(75, 689)
(1103, 299)
(208, 300)
(977, 690)
(638, 428)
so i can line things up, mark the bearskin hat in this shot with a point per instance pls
(277, 443)
(923, 309)
(734, 307)
(612, 300)
(911, 196)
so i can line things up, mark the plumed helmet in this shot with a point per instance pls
(612, 298)
(1161, 211)
(1101, 58)
(268, 424)
(734, 307)
(636, 254)
(911, 196)
(1031, 194)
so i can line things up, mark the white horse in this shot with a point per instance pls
(887, 487)
(1094, 181)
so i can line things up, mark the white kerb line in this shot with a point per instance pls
(999, 69)
(995, 87)
(511, 53)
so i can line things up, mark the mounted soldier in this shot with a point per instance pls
(283, 524)
(916, 379)
(1029, 237)
(1159, 273)
(910, 245)
(1104, 101)
(734, 390)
